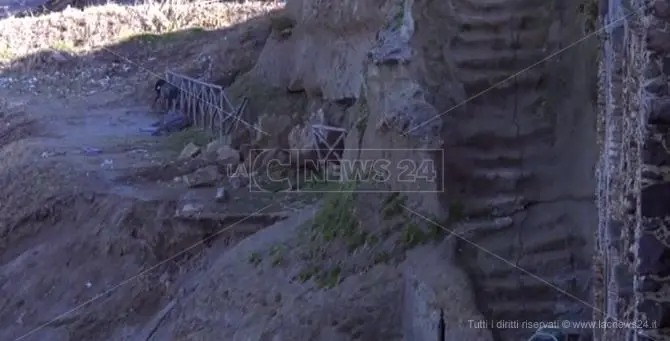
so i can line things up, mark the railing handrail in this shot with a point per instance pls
(206, 104)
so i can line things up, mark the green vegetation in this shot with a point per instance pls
(456, 212)
(382, 257)
(398, 14)
(307, 273)
(359, 113)
(361, 124)
(436, 232)
(393, 205)
(329, 278)
(337, 216)
(323, 278)
(277, 255)
(412, 236)
(336, 228)
(255, 258)
(178, 140)
(590, 11)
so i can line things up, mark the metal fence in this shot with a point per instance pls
(206, 105)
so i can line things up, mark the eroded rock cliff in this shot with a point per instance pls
(503, 93)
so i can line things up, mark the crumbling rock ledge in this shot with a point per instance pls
(353, 51)
(438, 304)
(393, 41)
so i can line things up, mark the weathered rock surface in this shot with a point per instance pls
(243, 300)
(206, 176)
(189, 151)
(431, 296)
(634, 250)
(438, 86)
(222, 195)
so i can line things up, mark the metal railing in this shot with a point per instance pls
(206, 105)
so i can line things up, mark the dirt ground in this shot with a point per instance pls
(65, 207)
(88, 251)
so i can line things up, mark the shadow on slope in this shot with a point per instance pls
(134, 61)
(58, 217)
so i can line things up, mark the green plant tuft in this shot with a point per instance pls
(393, 205)
(255, 258)
(337, 217)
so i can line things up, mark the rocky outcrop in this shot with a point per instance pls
(633, 224)
(499, 98)
(432, 301)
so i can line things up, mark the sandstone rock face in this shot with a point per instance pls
(222, 153)
(227, 155)
(203, 177)
(431, 295)
(273, 131)
(190, 151)
(301, 141)
(451, 82)
(437, 85)
(210, 149)
(510, 146)
(634, 251)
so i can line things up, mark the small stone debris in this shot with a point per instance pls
(221, 195)
(203, 177)
(210, 149)
(227, 155)
(240, 178)
(107, 164)
(91, 151)
(50, 154)
(222, 153)
(189, 152)
(188, 209)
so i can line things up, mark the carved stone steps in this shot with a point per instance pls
(514, 288)
(471, 228)
(501, 81)
(503, 275)
(474, 39)
(497, 15)
(507, 60)
(510, 139)
(504, 174)
(493, 206)
(553, 237)
(498, 156)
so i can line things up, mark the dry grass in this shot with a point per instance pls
(75, 31)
